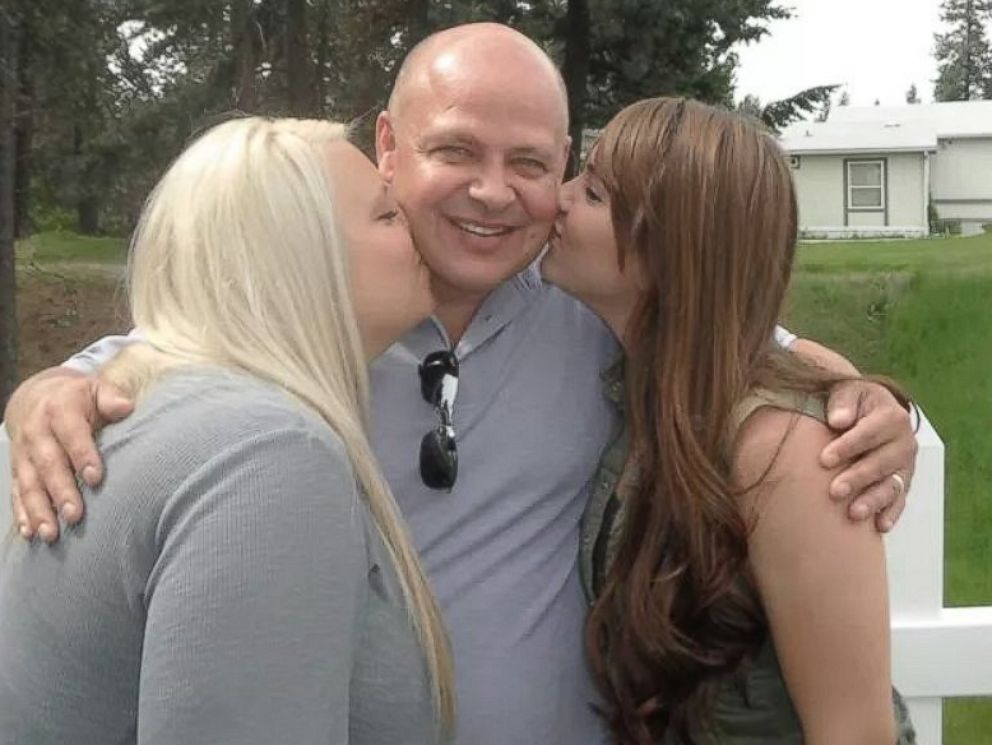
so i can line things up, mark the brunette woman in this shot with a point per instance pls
(733, 601)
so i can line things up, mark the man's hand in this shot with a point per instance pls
(878, 445)
(51, 419)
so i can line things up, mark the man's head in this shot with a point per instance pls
(475, 142)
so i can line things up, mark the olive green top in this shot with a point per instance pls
(755, 707)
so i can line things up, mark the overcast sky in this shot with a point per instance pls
(877, 48)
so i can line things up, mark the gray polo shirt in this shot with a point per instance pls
(501, 548)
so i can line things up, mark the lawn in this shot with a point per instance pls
(920, 311)
(69, 293)
(62, 247)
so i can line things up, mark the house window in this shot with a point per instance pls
(866, 185)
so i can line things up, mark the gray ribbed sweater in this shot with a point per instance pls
(226, 586)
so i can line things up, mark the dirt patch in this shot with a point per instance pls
(61, 309)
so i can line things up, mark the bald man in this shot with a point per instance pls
(474, 143)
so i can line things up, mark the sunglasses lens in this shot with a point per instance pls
(432, 371)
(438, 460)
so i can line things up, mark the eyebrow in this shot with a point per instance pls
(535, 152)
(464, 138)
(459, 137)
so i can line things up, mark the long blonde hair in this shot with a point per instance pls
(237, 262)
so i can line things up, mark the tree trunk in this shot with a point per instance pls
(321, 54)
(24, 136)
(87, 202)
(576, 73)
(8, 285)
(419, 23)
(968, 60)
(299, 73)
(243, 34)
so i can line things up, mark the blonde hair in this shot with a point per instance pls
(237, 262)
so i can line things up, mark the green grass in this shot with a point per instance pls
(921, 311)
(63, 247)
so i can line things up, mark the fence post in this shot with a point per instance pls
(915, 554)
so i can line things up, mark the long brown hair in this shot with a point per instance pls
(703, 201)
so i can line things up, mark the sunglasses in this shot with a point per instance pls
(438, 452)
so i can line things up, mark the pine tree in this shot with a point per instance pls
(963, 53)
(845, 98)
(912, 95)
(780, 114)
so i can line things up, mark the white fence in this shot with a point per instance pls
(937, 652)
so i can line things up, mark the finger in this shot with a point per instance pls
(25, 481)
(58, 480)
(36, 504)
(876, 499)
(887, 519)
(844, 404)
(20, 517)
(875, 466)
(870, 432)
(74, 434)
(112, 404)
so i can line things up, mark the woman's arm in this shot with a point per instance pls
(822, 582)
(253, 602)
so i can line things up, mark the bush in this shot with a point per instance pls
(947, 227)
(52, 218)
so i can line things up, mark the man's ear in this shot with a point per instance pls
(563, 169)
(385, 145)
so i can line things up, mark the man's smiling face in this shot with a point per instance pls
(475, 152)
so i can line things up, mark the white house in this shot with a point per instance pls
(876, 171)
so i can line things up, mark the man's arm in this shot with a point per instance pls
(878, 441)
(826, 358)
(51, 419)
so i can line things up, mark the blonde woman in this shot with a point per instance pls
(243, 575)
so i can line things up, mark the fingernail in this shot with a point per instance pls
(69, 512)
(46, 532)
(91, 476)
(841, 414)
(25, 532)
(886, 526)
(830, 459)
(843, 491)
(860, 511)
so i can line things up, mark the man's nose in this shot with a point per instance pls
(492, 189)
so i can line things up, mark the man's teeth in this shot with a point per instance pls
(481, 229)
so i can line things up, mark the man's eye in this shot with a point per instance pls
(532, 166)
(592, 196)
(453, 152)
(389, 216)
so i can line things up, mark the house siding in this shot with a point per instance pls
(820, 186)
(820, 190)
(960, 182)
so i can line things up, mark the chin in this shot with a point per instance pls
(472, 277)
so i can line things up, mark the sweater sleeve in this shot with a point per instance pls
(253, 602)
(91, 359)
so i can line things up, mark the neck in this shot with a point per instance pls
(456, 308)
(616, 314)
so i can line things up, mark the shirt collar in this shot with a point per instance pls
(613, 385)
